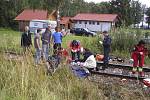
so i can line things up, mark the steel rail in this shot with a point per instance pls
(117, 75)
(146, 69)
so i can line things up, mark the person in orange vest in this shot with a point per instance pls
(138, 55)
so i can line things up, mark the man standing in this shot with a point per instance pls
(26, 41)
(37, 46)
(57, 39)
(106, 47)
(46, 42)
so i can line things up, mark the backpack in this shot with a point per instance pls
(53, 62)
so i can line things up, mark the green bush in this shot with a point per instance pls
(125, 39)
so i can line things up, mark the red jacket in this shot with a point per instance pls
(75, 47)
(139, 50)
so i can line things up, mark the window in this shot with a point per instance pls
(85, 22)
(35, 24)
(80, 22)
(89, 22)
(93, 23)
(75, 22)
(97, 23)
(45, 25)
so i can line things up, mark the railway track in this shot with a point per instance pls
(120, 66)
(117, 75)
(125, 71)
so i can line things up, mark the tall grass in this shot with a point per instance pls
(21, 80)
(125, 39)
(10, 40)
(86, 42)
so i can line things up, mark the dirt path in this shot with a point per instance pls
(13, 56)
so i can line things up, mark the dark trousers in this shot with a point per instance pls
(106, 55)
(75, 55)
(57, 46)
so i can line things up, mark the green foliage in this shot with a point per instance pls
(87, 42)
(125, 39)
(137, 12)
(148, 18)
(22, 81)
(10, 40)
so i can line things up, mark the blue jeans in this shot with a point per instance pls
(38, 56)
(45, 49)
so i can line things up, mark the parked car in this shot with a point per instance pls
(82, 31)
(41, 24)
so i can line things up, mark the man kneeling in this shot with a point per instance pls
(89, 61)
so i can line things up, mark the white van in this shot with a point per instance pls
(41, 24)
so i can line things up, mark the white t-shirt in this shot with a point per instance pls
(90, 62)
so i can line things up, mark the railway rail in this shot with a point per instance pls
(117, 75)
(120, 66)
(127, 68)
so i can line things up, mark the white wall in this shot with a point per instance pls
(103, 26)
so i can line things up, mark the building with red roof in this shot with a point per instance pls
(95, 22)
(29, 14)
(65, 22)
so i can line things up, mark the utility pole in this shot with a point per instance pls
(58, 18)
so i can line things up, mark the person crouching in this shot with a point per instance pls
(89, 61)
(75, 50)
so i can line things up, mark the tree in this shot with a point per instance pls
(104, 7)
(148, 18)
(137, 12)
(123, 9)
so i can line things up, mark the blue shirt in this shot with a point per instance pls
(57, 36)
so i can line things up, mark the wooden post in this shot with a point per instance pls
(58, 18)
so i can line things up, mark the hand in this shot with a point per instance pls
(40, 49)
(100, 42)
(74, 50)
(141, 53)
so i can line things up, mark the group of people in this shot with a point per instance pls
(47, 38)
(89, 59)
(138, 54)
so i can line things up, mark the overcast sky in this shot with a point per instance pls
(147, 2)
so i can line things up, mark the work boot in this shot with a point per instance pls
(134, 73)
(141, 74)
(134, 70)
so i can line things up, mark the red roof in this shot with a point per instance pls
(65, 20)
(95, 17)
(28, 15)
